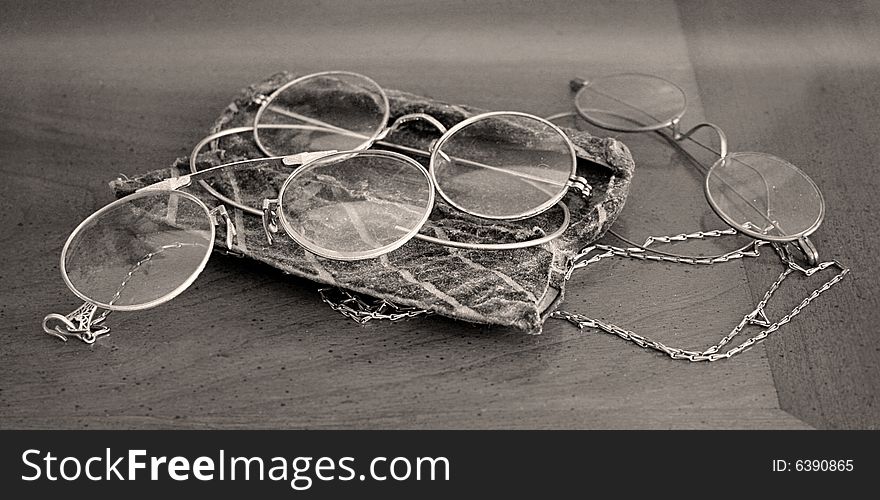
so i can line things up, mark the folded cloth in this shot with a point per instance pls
(517, 288)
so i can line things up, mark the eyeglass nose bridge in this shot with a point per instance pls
(412, 117)
(679, 136)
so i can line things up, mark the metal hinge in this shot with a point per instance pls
(270, 218)
(579, 183)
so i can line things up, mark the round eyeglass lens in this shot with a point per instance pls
(503, 165)
(322, 112)
(764, 196)
(356, 206)
(139, 251)
(630, 102)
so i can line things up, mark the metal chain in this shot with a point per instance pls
(362, 308)
(134, 269)
(143, 261)
(82, 323)
(755, 317)
(644, 253)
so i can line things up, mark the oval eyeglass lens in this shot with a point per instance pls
(357, 205)
(504, 166)
(139, 250)
(630, 102)
(764, 196)
(322, 112)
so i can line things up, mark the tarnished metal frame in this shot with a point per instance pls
(802, 241)
(122, 201)
(755, 234)
(756, 317)
(269, 211)
(267, 100)
(323, 252)
(573, 179)
(82, 322)
(579, 85)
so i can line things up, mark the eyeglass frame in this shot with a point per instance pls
(803, 243)
(82, 323)
(574, 181)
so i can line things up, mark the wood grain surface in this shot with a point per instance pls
(90, 92)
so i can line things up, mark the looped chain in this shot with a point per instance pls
(644, 253)
(756, 317)
(362, 308)
(82, 323)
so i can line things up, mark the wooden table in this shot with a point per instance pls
(87, 93)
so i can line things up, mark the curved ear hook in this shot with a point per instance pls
(504, 246)
(722, 138)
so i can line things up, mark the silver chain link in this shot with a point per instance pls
(643, 253)
(362, 308)
(148, 257)
(82, 323)
(755, 317)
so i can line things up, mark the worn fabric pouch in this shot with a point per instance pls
(516, 288)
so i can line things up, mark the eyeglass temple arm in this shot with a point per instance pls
(504, 246)
(270, 226)
(378, 140)
(382, 135)
(412, 117)
(318, 125)
(305, 157)
(297, 159)
(575, 84)
(81, 324)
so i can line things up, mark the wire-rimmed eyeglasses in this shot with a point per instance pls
(760, 195)
(501, 165)
(343, 201)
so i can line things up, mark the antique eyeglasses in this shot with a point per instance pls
(138, 252)
(148, 247)
(355, 203)
(757, 194)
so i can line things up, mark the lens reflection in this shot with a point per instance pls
(356, 205)
(764, 196)
(140, 250)
(505, 166)
(326, 111)
(630, 102)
